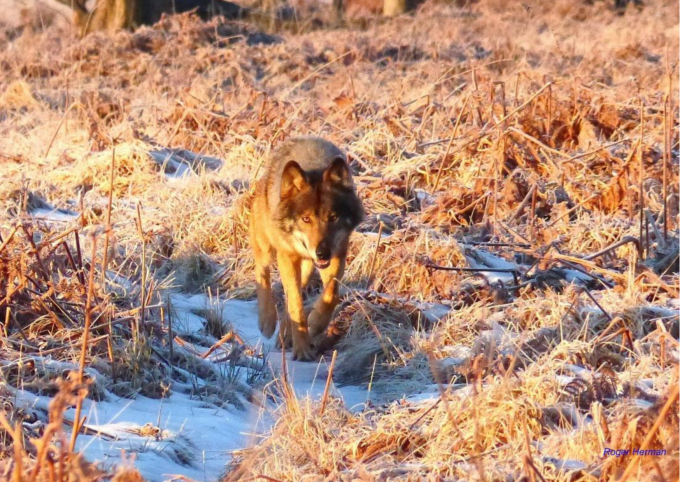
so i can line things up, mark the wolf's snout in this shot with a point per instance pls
(323, 253)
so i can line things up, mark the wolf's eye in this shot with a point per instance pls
(305, 219)
(333, 217)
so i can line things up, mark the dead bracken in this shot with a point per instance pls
(510, 304)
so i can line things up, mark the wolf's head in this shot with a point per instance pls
(319, 210)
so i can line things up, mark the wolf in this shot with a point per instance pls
(304, 210)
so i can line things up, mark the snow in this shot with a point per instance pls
(195, 442)
(179, 163)
(195, 438)
(54, 215)
(573, 276)
(480, 259)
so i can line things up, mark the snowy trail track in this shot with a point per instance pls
(196, 437)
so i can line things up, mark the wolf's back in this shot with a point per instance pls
(312, 153)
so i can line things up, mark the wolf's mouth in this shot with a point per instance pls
(321, 264)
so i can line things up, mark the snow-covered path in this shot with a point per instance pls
(197, 437)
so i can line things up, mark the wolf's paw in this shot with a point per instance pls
(304, 354)
(318, 321)
(266, 319)
(302, 349)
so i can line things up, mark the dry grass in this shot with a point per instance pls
(488, 133)
(40, 451)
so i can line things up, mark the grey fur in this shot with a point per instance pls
(314, 156)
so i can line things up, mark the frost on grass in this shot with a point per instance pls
(145, 390)
(532, 147)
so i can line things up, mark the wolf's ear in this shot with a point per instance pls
(293, 180)
(338, 174)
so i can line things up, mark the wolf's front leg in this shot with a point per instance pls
(325, 305)
(266, 306)
(290, 271)
(285, 339)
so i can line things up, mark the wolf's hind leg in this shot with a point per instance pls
(266, 307)
(321, 315)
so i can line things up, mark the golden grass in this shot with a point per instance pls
(561, 111)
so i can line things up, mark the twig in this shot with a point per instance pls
(538, 143)
(611, 247)
(143, 294)
(516, 100)
(86, 335)
(548, 129)
(471, 205)
(9, 238)
(288, 391)
(532, 218)
(666, 161)
(502, 84)
(570, 265)
(109, 348)
(669, 134)
(54, 317)
(597, 149)
(108, 218)
(134, 311)
(657, 234)
(514, 233)
(588, 199)
(513, 271)
(432, 407)
(228, 337)
(527, 447)
(9, 295)
(5, 327)
(496, 165)
(369, 281)
(446, 77)
(588, 264)
(329, 379)
(61, 122)
(642, 176)
(496, 124)
(36, 253)
(80, 256)
(72, 262)
(525, 201)
(448, 147)
(608, 328)
(498, 245)
(18, 451)
(170, 337)
(58, 349)
(590, 295)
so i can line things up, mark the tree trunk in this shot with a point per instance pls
(112, 15)
(392, 8)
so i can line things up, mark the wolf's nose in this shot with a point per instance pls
(323, 253)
